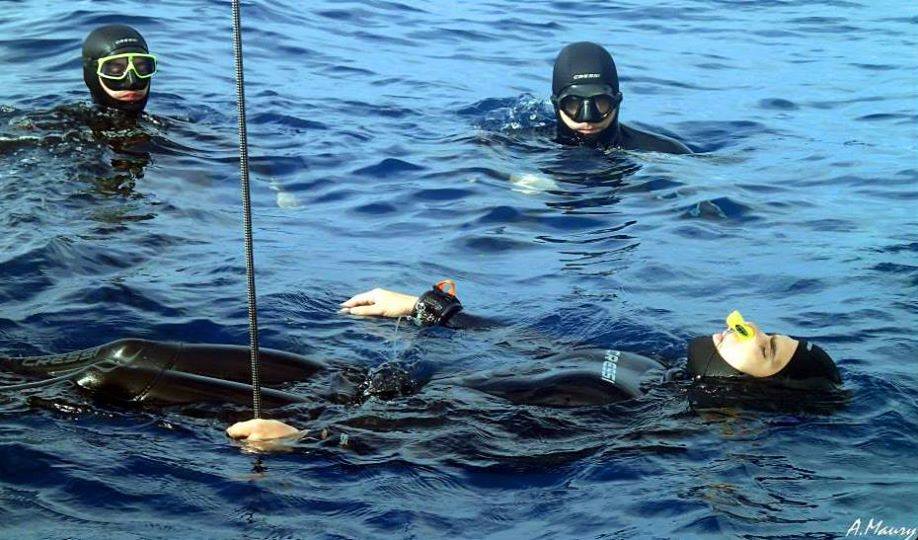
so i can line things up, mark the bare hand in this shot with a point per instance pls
(259, 429)
(381, 303)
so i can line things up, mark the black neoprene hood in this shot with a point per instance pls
(583, 63)
(589, 67)
(106, 41)
(808, 361)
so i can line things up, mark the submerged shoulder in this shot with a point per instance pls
(638, 139)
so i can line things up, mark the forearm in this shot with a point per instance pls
(468, 321)
(438, 306)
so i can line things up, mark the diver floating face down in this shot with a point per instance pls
(118, 68)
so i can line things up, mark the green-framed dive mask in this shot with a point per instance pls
(117, 67)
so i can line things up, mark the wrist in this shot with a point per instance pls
(438, 305)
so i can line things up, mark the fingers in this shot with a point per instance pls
(367, 311)
(240, 430)
(361, 299)
(380, 303)
(260, 430)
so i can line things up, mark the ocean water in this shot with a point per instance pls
(395, 144)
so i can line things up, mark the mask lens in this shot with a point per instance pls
(603, 104)
(144, 65)
(571, 105)
(114, 68)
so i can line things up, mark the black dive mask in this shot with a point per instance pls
(588, 103)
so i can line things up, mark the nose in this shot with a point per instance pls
(586, 111)
(133, 82)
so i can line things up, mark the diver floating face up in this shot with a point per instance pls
(744, 347)
(585, 90)
(744, 344)
(118, 68)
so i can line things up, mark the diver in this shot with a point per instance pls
(159, 373)
(741, 354)
(144, 372)
(118, 68)
(742, 350)
(106, 142)
(587, 103)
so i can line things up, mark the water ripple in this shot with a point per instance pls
(395, 145)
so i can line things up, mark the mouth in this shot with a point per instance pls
(131, 96)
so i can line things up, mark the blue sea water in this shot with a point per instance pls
(395, 144)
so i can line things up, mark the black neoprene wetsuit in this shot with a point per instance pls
(625, 137)
(142, 371)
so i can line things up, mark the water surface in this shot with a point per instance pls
(396, 144)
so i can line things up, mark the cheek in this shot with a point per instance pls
(608, 121)
(567, 121)
(736, 351)
(105, 87)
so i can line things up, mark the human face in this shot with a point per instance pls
(126, 76)
(733, 346)
(587, 129)
(761, 355)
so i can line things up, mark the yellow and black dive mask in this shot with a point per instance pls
(117, 69)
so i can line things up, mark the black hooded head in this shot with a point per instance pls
(808, 362)
(106, 41)
(587, 66)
